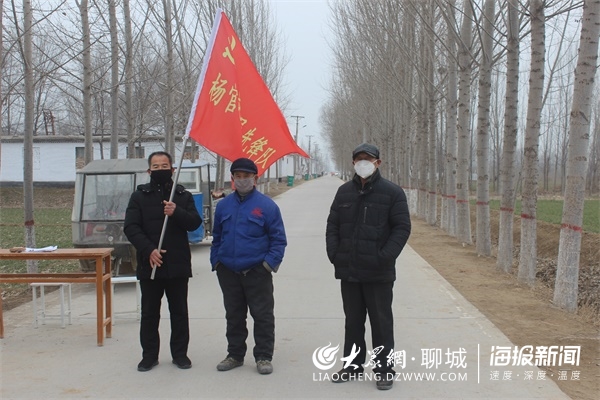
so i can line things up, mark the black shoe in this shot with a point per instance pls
(183, 362)
(147, 364)
(385, 380)
(344, 375)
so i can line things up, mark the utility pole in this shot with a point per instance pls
(309, 160)
(298, 118)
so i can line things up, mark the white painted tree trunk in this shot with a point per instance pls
(451, 116)
(463, 217)
(528, 254)
(504, 261)
(567, 274)
(483, 235)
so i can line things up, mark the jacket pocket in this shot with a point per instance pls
(226, 223)
(256, 227)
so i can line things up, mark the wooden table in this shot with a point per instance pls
(101, 278)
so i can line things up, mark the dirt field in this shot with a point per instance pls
(526, 316)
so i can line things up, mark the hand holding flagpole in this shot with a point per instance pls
(164, 227)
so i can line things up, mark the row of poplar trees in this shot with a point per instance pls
(438, 85)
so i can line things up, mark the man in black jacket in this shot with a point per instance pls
(144, 219)
(367, 228)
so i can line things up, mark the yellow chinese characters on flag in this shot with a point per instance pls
(234, 113)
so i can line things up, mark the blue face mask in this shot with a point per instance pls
(243, 185)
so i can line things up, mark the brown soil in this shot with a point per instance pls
(525, 315)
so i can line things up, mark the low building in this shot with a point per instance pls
(56, 158)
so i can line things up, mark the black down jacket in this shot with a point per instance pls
(143, 224)
(367, 229)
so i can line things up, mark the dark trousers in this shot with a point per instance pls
(374, 299)
(153, 290)
(242, 291)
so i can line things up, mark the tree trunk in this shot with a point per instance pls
(567, 274)
(407, 79)
(129, 80)
(451, 111)
(1, 58)
(509, 144)
(114, 75)
(169, 134)
(528, 254)
(428, 12)
(87, 82)
(484, 240)
(29, 130)
(463, 221)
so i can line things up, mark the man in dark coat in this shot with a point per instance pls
(367, 228)
(144, 219)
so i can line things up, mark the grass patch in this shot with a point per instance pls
(551, 211)
(52, 228)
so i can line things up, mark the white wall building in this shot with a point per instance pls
(56, 158)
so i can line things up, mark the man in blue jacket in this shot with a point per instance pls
(247, 247)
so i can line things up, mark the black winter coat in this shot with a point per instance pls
(367, 229)
(143, 224)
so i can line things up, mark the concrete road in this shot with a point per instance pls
(444, 344)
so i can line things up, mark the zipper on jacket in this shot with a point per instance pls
(365, 216)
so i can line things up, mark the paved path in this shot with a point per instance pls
(431, 318)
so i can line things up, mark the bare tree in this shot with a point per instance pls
(169, 134)
(509, 141)
(422, 137)
(129, 117)
(114, 75)
(463, 220)
(483, 234)
(429, 45)
(86, 64)
(528, 251)
(449, 199)
(567, 274)
(1, 63)
(593, 174)
(29, 130)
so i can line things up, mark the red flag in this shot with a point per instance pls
(234, 113)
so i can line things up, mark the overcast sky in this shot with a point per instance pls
(304, 25)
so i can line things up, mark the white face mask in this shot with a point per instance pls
(243, 185)
(364, 168)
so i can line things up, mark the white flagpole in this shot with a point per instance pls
(164, 227)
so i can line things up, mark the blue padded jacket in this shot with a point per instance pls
(247, 232)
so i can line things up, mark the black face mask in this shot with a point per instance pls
(161, 176)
